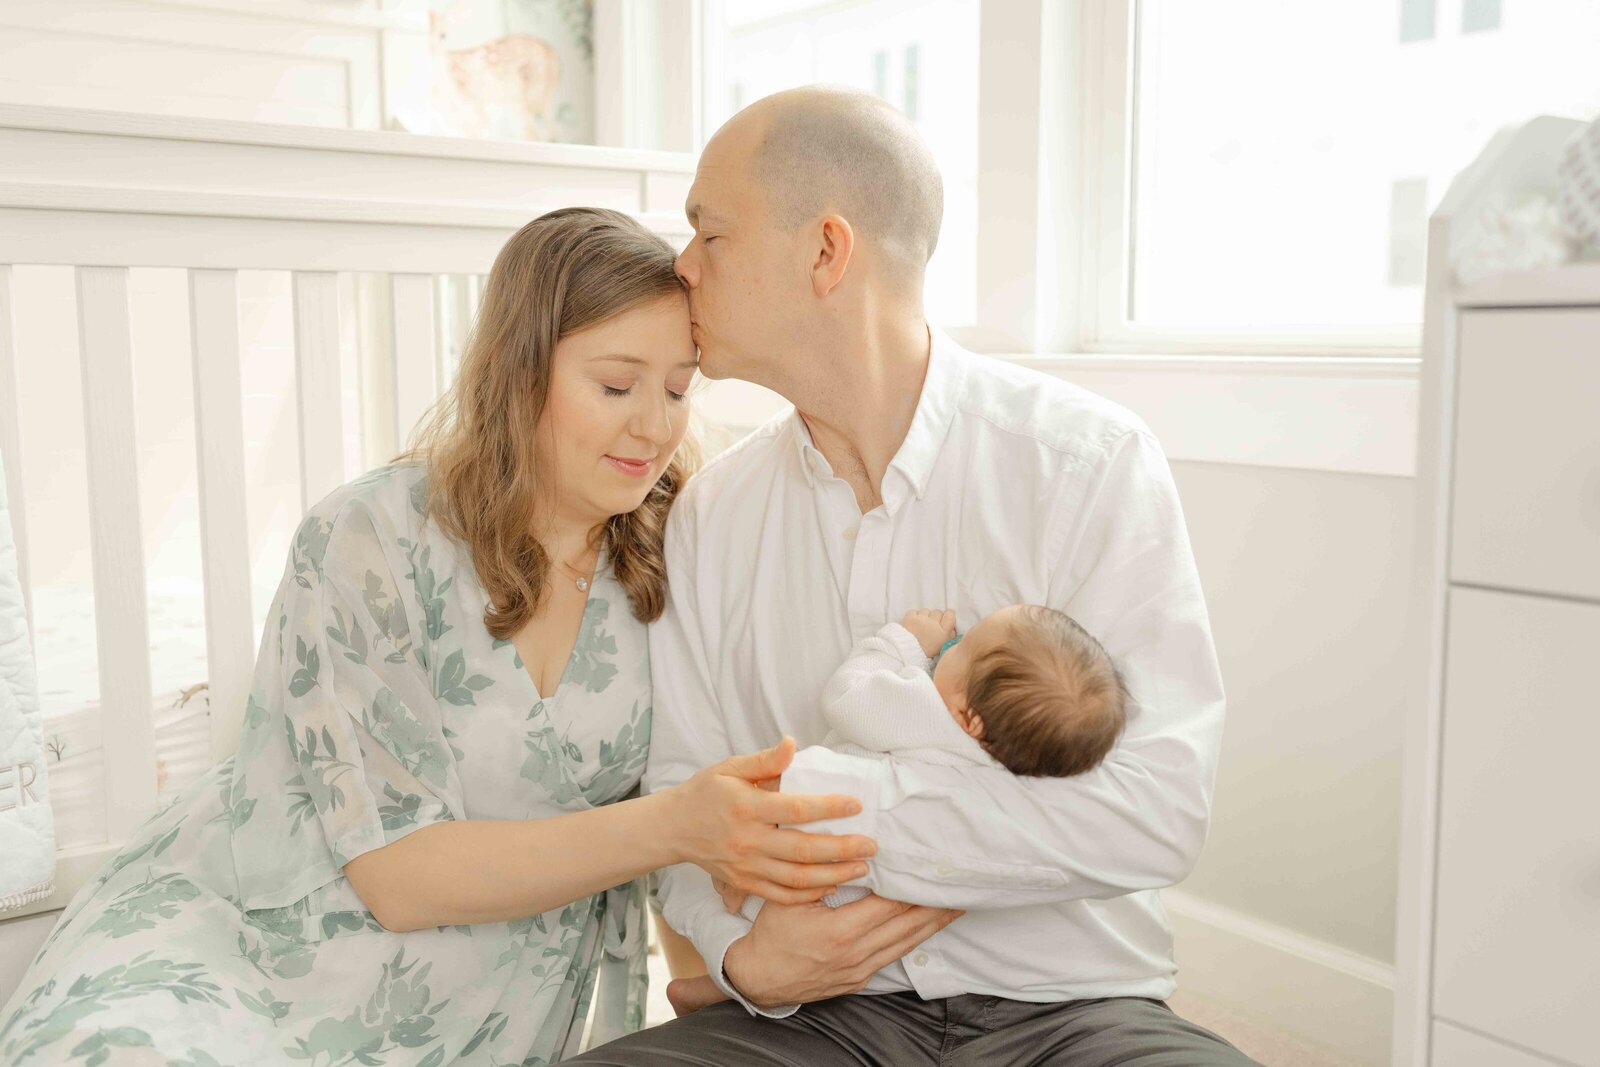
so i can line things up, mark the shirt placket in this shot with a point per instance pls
(869, 543)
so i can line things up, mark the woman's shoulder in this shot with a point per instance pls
(385, 505)
(396, 493)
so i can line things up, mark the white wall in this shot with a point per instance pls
(1306, 575)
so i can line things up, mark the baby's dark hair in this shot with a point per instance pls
(1051, 700)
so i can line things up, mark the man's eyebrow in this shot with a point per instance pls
(699, 217)
(618, 357)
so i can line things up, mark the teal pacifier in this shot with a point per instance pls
(946, 647)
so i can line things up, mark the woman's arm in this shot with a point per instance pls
(493, 870)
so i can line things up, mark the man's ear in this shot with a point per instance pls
(831, 258)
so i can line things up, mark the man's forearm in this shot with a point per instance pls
(693, 907)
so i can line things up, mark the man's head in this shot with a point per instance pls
(811, 208)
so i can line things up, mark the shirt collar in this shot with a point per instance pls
(930, 425)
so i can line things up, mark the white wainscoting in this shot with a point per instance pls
(1324, 993)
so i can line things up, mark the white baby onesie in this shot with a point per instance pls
(882, 703)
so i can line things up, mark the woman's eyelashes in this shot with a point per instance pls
(620, 391)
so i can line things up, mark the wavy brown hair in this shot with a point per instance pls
(563, 272)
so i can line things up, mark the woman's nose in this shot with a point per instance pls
(654, 423)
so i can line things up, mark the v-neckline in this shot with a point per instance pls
(566, 669)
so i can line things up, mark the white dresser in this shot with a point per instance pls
(1498, 957)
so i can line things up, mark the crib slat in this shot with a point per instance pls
(224, 527)
(416, 364)
(11, 441)
(462, 298)
(316, 347)
(122, 625)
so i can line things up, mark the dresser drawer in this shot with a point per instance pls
(1455, 1047)
(1526, 509)
(1517, 925)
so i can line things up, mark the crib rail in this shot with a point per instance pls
(105, 194)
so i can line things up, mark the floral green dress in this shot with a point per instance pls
(224, 932)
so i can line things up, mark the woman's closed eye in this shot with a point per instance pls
(612, 390)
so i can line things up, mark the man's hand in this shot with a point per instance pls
(931, 627)
(798, 953)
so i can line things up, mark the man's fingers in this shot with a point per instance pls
(872, 910)
(904, 932)
(802, 808)
(877, 961)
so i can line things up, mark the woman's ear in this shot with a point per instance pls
(831, 258)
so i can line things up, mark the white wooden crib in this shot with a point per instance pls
(408, 224)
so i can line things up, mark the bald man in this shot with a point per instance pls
(1010, 920)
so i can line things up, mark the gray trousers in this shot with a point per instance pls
(903, 1030)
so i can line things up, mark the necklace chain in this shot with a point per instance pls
(582, 582)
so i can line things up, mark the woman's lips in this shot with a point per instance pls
(633, 468)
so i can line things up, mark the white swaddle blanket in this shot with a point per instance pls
(27, 830)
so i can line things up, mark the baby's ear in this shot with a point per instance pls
(972, 723)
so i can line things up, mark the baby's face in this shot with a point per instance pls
(950, 673)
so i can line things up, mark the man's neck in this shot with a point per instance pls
(860, 405)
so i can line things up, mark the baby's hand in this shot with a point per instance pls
(931, 627)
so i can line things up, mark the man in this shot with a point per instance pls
(914, 475)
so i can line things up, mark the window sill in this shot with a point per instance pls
(1323, 413)
(1355, 415)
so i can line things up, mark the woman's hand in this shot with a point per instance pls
(726, 822)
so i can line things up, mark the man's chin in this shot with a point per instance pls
(710, 366)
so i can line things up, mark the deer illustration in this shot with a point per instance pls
(513, 76)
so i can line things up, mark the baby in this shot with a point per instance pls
(1026, 689)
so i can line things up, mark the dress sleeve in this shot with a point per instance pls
(344, 748)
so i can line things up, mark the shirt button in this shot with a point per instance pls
(850, 534)
(920, 959)
(944, 869)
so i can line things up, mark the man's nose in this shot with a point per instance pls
(686, 267)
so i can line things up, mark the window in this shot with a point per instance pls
(1283, 158)
(882, 46)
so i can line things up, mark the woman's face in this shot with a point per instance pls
(617, 409)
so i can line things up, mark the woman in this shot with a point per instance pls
(423, 851)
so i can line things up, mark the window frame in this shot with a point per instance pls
(1056, 211)
(1111, 119)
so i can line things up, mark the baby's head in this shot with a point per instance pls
(1036, 690)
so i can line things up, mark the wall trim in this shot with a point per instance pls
(1336, 998)
(375, 142)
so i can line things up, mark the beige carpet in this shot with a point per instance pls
(1258, 1038)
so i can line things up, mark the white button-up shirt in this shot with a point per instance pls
(1010, 487)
